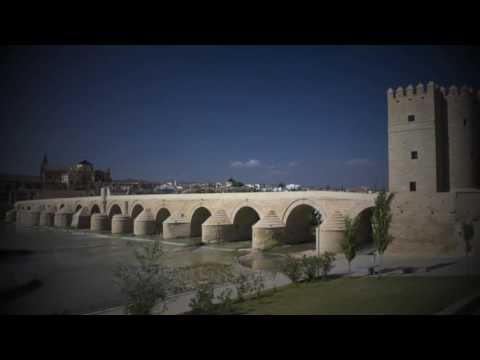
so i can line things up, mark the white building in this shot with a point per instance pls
(293, 187)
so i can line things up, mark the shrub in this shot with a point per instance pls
(292, 268)
(327, 261)
(258, 284)
(311, 266)
(243, 286)
(202, 303)
(146, 282)
(226, 304)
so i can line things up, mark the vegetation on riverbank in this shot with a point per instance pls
(365, 296)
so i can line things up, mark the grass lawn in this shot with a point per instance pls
(365, 296)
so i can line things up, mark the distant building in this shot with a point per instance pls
(293, 187)
(360, 189)
(81, 176)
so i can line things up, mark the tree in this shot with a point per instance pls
(146, 282)
(348, 244)
(316, 222)
(381, 219)
(316, 218)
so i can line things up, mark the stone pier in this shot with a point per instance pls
(144, 223)
(121, 224)
(99, 222)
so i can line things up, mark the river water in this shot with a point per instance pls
(67, 271)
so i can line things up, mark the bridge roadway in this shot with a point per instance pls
(268, 219)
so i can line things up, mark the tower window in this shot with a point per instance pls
(411, 118)
(414, 155)
(464, 121)
(413, 186)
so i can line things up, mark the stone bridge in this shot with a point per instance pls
(267, 219)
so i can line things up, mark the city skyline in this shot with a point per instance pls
(312, 115)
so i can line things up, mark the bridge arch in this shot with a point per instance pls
(246, 203)
(199, 215)
(78, 203)
(295, 203)
(364, 236)
(95, 209)
(114, 204)
(137, 208)
(243, 220)
(161, 215)
(51, 207)
(114, 209)
(299, 221)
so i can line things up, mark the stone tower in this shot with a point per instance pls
(463, 123)
(431, 136)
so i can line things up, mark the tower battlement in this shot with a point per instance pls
(411, 91)
(421, 90)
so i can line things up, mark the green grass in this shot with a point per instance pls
(365, 296)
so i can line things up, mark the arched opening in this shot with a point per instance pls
(301, 225)
(137, 209)
(95, 209)
(114, 210)
(364, 237)
(61, 206)
(78, 208)
(243, 222)
(198, 218)
(162, 215)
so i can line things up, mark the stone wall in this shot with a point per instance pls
(423, 224)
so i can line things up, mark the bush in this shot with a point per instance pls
(308, 267)
(258, 284)
(292, 268)
(226, 304)
(147, 282)
(202, 303)
(241, 283)
(326, 263)
(311, 266)
(205, 301)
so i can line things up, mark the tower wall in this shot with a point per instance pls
(420, 135)
(462, 119)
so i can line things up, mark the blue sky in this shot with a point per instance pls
(313, 115)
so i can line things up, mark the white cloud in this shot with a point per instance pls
(245, 164)
(359, 162)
